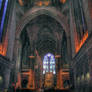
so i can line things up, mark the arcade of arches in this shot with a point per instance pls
(45, 45)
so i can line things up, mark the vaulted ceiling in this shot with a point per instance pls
(45, 34)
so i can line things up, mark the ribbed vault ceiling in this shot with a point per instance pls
(44, 34)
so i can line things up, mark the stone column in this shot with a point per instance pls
(11, 33)
(87, 15)
(72, 33)
(6, 78)
(90, 63)
(74, 71)
(17, 57)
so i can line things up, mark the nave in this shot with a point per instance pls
(45, 45)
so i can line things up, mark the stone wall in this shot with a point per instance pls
(5, 69)
(82, 67)
(82, 61)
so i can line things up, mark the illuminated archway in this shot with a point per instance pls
(49, 64)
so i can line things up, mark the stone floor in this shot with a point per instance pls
(46, 91)
(73, 90)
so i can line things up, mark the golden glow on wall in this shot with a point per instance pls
(18, 84)
(40, 3)
(63, 1)
(61, 77)
(3, 46)
(59, 81)
(46, 3)
(78, 44)
(57, 56)
(31, 80)
(49, 80)
(21, 2)
(31, 57)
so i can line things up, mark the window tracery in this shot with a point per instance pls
(49, 64)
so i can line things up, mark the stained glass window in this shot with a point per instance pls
(2, 19)
(49, 63)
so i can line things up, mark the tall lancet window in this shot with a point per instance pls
(49, 63)
(3, 9)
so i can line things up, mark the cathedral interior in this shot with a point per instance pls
(45, 45)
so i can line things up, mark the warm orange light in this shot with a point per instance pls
(21, 2)
(61, 76)
(3, 46)
(63, 1)
(65, 73)
(31, 80)
(57, 56)
(46, 3)
(59, 81)
(79, 45)
(18, 84)
(40, 3)
(32, 57)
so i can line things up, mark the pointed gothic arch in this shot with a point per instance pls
(37, 11)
